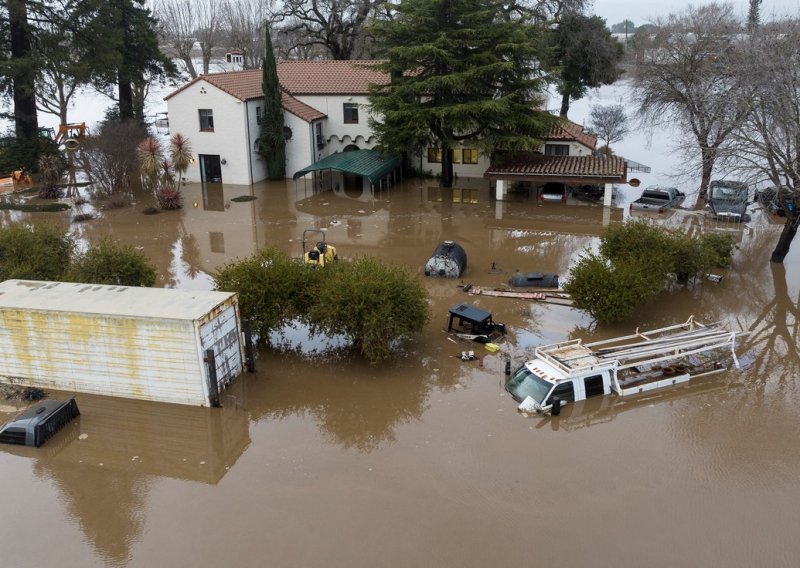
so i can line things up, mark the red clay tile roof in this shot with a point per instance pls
(570, 131)
(299, 108)
(298, 78)
(537, 165)
(330, 77)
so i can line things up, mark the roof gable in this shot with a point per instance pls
(568, 131)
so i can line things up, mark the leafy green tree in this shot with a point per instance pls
(271, 141)
(583, 54)
(461, 71)
(108, 263)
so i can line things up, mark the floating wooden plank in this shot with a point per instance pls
(548, 297)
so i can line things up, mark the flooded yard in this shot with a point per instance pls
(425, 461)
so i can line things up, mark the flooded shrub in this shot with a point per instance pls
(634, 239)
(611, 292)
(115, 201)
(273, 290)
(719, 247)
(690, 258)
(374, 304)
(106, 262)
(169, 198)
(40, 252)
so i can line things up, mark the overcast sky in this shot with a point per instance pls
(643, 11)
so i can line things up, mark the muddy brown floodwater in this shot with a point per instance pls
(425, 461)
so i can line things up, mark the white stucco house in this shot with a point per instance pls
(325, 111)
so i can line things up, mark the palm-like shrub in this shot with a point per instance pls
(150, 157)
(180, 152)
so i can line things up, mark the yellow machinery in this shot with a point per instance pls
(70, 135)
(321, 254)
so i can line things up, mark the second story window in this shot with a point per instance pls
(319, 136)
(206, 120)
(259, 115)
(556, 150)
(350, 113)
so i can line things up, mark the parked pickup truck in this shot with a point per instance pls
(658, 199)
(572, 371)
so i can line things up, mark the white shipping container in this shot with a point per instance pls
(143, 343)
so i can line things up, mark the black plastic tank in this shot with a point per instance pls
(449, 260)
(534, 280)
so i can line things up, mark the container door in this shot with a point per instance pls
(222, 335)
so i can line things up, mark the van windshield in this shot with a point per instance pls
(524, 384)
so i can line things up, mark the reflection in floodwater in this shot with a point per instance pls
(427, 453)
(104, 462)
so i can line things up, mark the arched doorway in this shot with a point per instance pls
(353, 185)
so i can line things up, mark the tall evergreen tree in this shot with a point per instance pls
(19, 68)
(584, 55)
(271, 141)
(461, 71)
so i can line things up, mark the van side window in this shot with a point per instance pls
(593, 385)
(564, 391)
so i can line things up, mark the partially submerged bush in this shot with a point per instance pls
(41, 252)
(635, 262)
(273, 290)
(169, 198)
(612, 291)
(719, 247)
(108, 263)
(372, 304)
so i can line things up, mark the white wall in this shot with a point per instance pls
(229, 139)
(337, 133)
(299, 150)
(257, 165)
(460, 170)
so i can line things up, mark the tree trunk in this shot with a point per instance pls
(564, 105)
(187, 60)
(26, 123)
(447, 167)
(708, 157)
(125, 98)
(785, 240)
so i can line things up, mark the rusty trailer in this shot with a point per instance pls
(158, 344)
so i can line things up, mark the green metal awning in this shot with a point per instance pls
(369, 163)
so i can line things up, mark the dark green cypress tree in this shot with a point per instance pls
(271, 141)
(463, 71)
